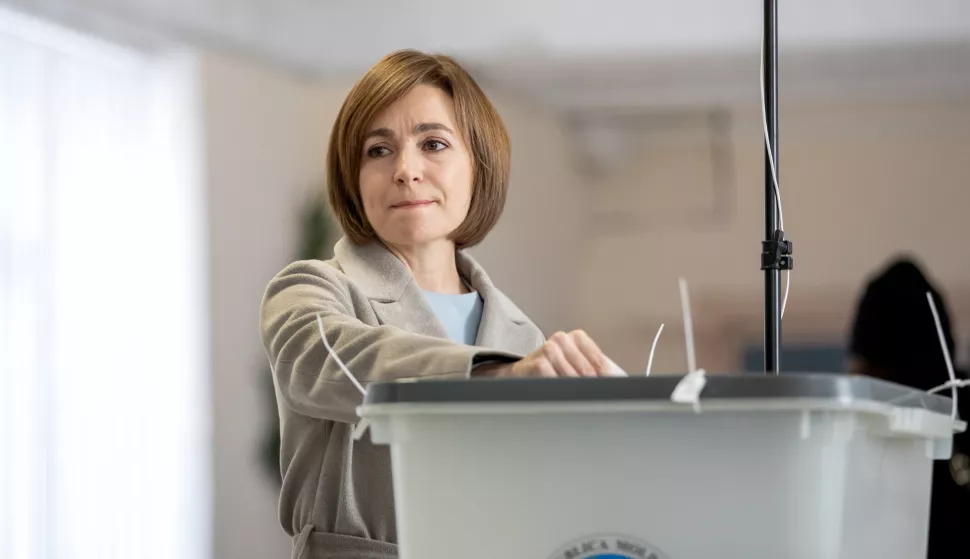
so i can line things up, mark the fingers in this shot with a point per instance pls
(535, 365)
(597, 359)
(571, 355)
(577, 362)
(562, 352)
(544, 368)
(553, 353)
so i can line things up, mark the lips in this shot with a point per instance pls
(413, 204)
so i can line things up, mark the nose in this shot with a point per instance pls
(408, 169)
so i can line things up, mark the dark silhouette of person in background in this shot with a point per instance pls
(894, 338)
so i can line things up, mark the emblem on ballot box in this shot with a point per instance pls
(608, 546)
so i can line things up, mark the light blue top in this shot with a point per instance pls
(459, 314)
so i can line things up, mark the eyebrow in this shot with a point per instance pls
(421, 128)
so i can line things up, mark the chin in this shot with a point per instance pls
(416, 237)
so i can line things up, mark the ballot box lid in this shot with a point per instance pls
(814, 386)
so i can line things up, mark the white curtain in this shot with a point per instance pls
(104, 438)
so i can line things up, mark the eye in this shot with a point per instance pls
(435, 145)
(377, 151)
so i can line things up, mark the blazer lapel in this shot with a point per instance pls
(503, 327)
(411, 313)
(398, 301)
(502, 331)
(388, 284)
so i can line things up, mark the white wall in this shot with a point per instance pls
(265, 136)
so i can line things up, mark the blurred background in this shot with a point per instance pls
(160, 161)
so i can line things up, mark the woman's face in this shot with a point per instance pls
(416, 172)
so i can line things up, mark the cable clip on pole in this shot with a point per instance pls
(776, 254)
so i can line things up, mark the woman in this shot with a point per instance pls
(894, 338)
(418, 170)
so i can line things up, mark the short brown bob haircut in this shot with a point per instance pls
(479, 124)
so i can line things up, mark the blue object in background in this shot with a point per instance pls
(804, 358)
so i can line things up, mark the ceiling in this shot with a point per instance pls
(577, 52)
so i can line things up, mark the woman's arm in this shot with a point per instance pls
(308, 378)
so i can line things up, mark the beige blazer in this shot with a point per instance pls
(336, 500)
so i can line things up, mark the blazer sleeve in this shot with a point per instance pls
(309, 380)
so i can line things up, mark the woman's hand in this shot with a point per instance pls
(572, 354)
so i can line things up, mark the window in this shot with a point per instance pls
(104, 442)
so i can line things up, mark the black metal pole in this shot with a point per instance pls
(772, 273)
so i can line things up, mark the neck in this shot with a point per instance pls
(433, 266)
